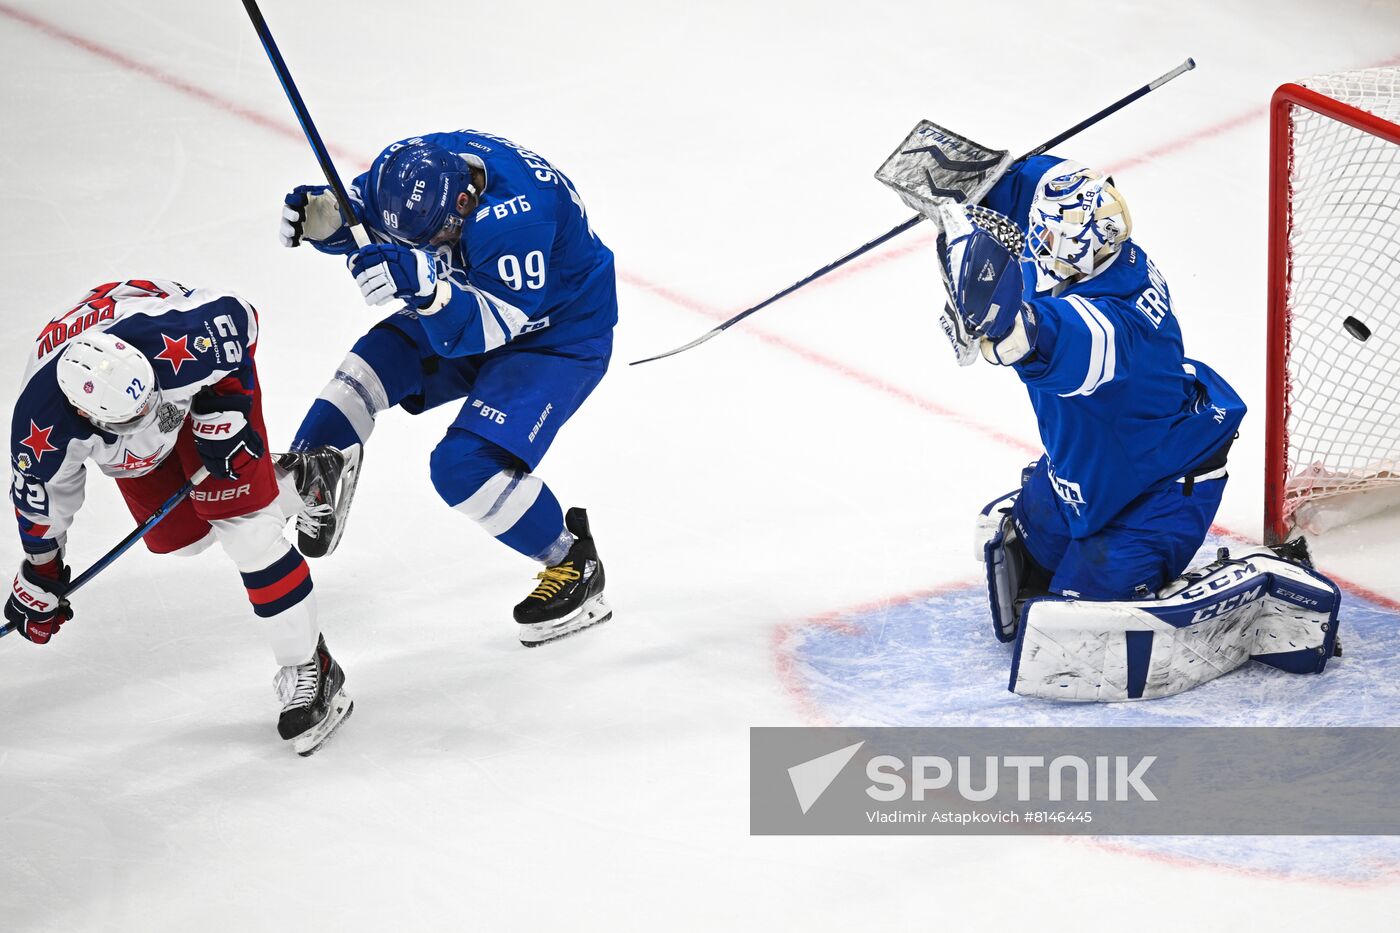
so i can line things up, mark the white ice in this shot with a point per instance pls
(826, 454)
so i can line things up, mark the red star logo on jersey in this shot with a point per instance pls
(38, 440)
(132, 462)
(176, 352)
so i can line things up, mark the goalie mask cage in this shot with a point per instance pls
(1332, 438)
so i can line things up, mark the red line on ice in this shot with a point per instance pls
(175, 83)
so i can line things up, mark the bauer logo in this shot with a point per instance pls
(1073, 781)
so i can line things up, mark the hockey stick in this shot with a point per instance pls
(342, 198)
(913, 221)
(125, 544)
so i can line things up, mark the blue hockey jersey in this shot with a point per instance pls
(1119, 405)
(527, 262)
(193, 338)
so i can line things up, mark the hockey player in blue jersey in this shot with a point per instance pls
(1136, 434)
(504, 299)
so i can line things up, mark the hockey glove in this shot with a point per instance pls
(387, 272)
(983, 273)
(1016, 344)
(36, 605)
(311, 213)
(224, 439)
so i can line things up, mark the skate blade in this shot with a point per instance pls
(349, 479)
(595, 611)
(310, 741)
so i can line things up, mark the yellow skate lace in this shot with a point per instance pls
(552, 580)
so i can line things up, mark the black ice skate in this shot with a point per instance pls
(313, 698)
(569, 596)
(1295, 551)
(325, 479)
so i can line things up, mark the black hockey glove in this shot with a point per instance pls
(226, 442)
(36, 605)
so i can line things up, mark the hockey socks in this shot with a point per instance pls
(490, 486)
(379, 372)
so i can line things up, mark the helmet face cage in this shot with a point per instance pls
(449, 232)
(1077, 222)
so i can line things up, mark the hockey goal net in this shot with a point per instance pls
(1333, 422)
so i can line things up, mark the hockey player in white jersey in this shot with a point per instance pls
(151, 381)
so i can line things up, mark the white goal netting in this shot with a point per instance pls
(1343, 307)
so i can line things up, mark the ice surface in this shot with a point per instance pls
(826, 454)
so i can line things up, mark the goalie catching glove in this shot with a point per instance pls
(980, 253)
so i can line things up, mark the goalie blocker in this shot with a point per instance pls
(1266, 605)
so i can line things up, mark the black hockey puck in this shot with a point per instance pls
(1357, 329)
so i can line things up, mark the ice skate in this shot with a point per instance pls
(569, 596)
(325, 479)
(314, 702)
(1296, 551)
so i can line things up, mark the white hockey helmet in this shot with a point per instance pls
(1078, 222)
(109, 381)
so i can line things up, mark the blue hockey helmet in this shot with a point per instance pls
(415, 189)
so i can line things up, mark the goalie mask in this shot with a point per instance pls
(1078, 222)
(109, 382)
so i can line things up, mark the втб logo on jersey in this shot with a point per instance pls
(489, 413)
(1068, 491)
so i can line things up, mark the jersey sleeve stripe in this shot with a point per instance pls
(492, 334)
(1103, 349)
(501, 321)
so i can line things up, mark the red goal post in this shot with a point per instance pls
(1332, 433)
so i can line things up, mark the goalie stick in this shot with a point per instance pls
(125, 544)
(342, 198)
(1079, 127)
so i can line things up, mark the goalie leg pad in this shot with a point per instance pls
(1012, 574)
(1201, 626)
